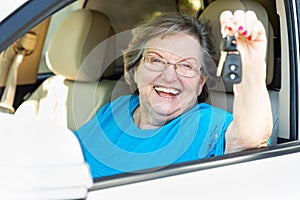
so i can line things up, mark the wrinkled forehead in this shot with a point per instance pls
(175, 45)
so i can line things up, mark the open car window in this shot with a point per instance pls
(262, 168)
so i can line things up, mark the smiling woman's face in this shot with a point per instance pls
(164, 95)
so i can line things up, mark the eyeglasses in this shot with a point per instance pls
(184, 68)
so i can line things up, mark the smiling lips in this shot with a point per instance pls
(166, 92)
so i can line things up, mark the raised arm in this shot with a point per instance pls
(252, 123)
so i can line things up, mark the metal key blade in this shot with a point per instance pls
(222, 60)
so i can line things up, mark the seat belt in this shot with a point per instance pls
(24, 47)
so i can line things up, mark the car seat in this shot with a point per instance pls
(81, 56)
(128, 17)
(222, 94)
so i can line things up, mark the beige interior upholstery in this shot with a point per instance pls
(79, 55)
(129, 14)
(221, 95)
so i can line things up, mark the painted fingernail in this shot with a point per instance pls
(249, 38)
(240, 28)
(229, 28)
(245, 33)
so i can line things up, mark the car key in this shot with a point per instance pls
(230, 64)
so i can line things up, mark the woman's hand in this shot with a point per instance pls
(251, 41)
(252, 123)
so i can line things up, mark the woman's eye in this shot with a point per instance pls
(185, 65)
(155, 60)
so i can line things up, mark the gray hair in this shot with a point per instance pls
(168, 24)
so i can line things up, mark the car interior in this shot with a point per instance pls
(73, 60)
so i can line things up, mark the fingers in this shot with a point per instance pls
(258, 31)
(241, 27)
(243, 23)
(227, 23)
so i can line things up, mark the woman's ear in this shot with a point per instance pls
(202, 82)
(134, 71)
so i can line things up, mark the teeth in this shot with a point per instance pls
(167, 90)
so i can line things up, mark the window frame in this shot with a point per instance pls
(197, 165)
(26, 19)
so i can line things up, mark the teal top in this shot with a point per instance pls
(113, 144)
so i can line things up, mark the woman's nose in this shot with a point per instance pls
(169, 74)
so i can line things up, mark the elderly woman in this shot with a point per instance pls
(168, 64)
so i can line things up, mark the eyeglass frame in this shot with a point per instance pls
(167, 64)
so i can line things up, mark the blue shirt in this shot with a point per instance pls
(112, 143)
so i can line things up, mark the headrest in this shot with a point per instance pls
(212, 13)
(79, 49)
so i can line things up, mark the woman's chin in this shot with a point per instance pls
(167, 110)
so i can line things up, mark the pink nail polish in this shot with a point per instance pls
(245, 33)
(240, 28)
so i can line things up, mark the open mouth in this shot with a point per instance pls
(166, 92)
